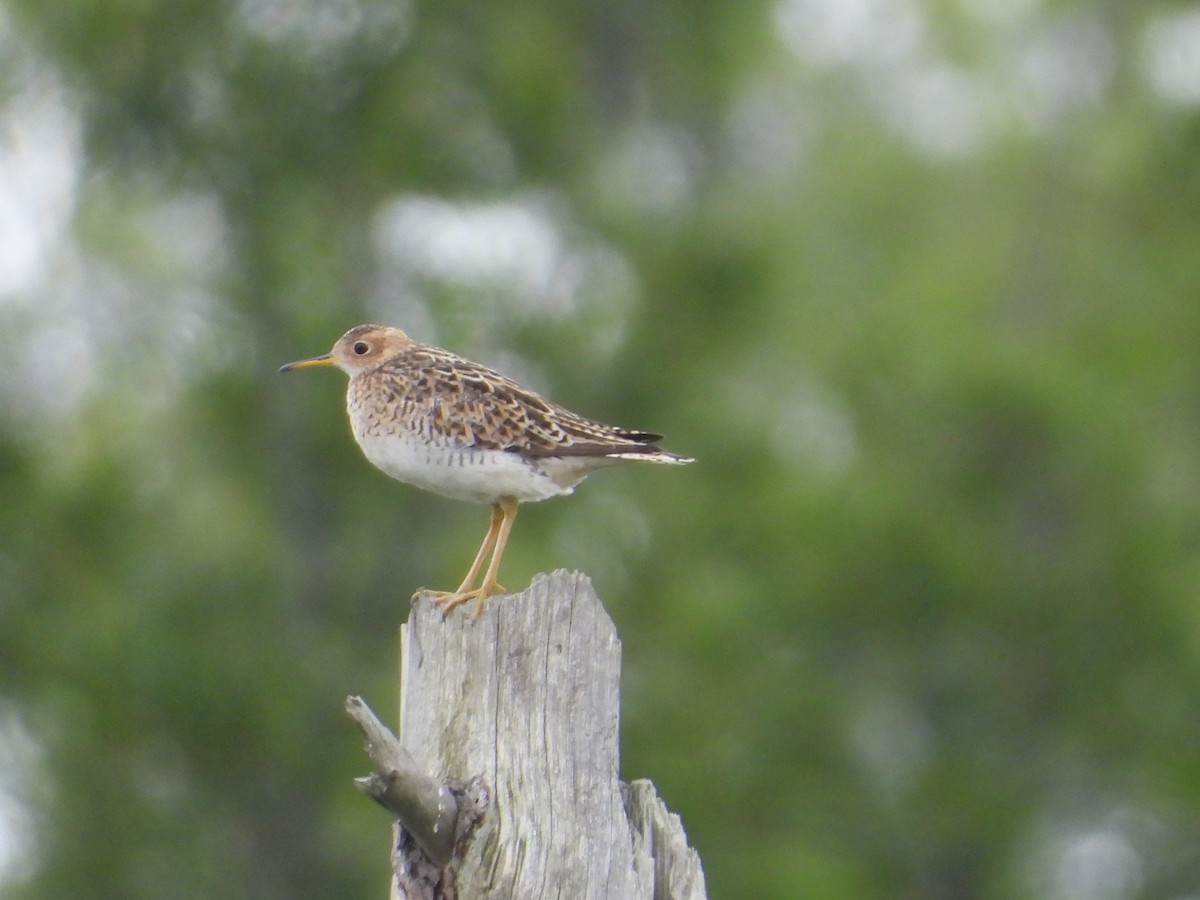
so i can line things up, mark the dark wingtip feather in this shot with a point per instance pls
(641, 437)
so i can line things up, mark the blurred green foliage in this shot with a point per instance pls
(916, 282)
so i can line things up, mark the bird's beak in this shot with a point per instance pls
(325, 360)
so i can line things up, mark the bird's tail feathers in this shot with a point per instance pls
(651, 454)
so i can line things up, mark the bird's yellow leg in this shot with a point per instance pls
(489, 541)
(508, 512)
(449, 599)
(508, 506)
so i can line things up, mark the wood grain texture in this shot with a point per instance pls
(520, 711)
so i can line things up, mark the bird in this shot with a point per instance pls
(437, 421)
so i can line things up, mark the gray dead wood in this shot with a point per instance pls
(428, 808)
(517, 714)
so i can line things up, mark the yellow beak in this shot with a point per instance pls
(325, 360)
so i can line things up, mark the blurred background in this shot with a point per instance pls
(917, 282)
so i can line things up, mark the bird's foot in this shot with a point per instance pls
(451, 600)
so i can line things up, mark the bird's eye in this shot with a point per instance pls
(361, 347)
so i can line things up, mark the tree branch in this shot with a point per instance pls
(427, 809)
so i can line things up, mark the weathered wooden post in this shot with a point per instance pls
(506, 773)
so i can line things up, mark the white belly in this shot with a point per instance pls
(482, 476)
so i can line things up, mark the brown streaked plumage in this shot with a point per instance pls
(443, 423)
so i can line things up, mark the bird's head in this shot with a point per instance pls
(360, 349)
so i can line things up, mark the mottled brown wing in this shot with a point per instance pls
(476, 406)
